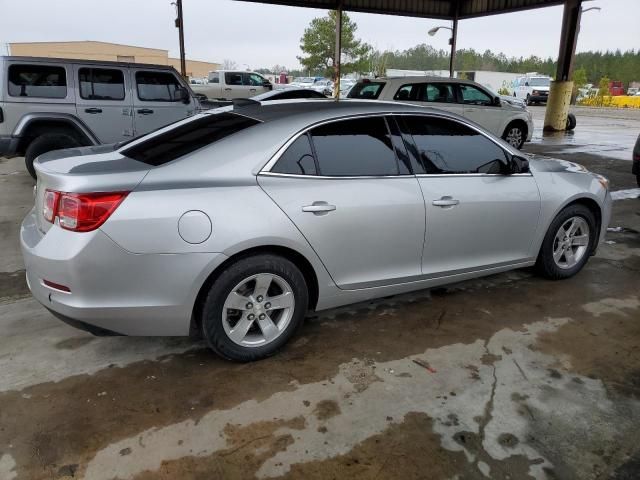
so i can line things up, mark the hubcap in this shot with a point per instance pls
(258, 310)
(571, 242)
(514, 137)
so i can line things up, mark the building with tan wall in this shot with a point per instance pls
(90, 50)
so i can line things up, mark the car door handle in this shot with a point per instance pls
(228, 89)
(145, 111)
(319, 208)
(93, 110)
(445, 202)
(252, 89)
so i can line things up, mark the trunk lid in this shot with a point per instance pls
(82, 170)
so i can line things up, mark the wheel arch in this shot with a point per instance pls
(298, 259)
(32, 125)
(516, 121)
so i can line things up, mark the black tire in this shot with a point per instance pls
(528, 100)
(47, 143)
(571, 121)
(213, 330)
(521, 127)
(545, 264)
(638, 179)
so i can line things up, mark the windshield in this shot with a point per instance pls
(539, 82)
(366, 90)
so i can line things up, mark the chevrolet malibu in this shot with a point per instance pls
(234, 223)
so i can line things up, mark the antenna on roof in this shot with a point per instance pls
(244, 102)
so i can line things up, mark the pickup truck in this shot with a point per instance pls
(227, 85)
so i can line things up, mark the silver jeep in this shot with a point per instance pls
(50, 104)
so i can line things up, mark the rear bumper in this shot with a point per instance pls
(112, 290)
(8, 145)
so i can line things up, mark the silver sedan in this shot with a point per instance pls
(233, 224)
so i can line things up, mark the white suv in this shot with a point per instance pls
(499, 115)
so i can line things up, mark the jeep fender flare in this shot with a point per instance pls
(69, 120)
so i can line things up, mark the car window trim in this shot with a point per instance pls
(266, 169)
(473, 127)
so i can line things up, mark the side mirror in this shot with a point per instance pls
(267, 84)
(497, 102)
(526, 84)
(519, 164)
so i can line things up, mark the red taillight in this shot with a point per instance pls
(56, 286)
(81, 212)
(50, 205)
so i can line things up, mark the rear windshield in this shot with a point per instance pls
(187, 138)
(366, 90)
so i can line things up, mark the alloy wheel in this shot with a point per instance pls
(258, 310)
(571, 242)
(514, 137)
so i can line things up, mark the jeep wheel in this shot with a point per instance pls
(47, 143)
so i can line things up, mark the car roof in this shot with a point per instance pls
(314, 110)
(85, 62)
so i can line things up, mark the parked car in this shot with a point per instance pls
(511, 121)
(533, 88)
(303, 82)
(636, 161)
(228, 84)
(289, 94)
(48, 104)
(324, 86)
(234, 223)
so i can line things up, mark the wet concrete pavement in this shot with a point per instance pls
(506, 377)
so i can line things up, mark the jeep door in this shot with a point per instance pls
(157, 99)
(104, 101)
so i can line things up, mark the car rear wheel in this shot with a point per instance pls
(515, 135)
(47, 143)
(571, 121)
(254, 307)
(568, 243)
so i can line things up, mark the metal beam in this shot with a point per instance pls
(568, 39)
(454, 37)
(180, 25)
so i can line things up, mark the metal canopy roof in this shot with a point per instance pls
(444, 9)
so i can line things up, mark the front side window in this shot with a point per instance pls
(188, 137)
(42, 81)
(474, 96)
(448, 147)
(253, 80)
(357, 147)
(233, 78)
(214, 77)
(101, 84)
(366, 90)
(297, 159)
(158, 87)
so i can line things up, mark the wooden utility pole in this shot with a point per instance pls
(180, 27)
(338, 53)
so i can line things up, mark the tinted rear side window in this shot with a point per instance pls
(366, 90)
(158, 87)
(297, 159)
(446, 146)
(42, 81)
(187, 138)
(356, 147)
(101, 84)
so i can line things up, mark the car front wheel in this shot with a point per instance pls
(515, 135)
(254, 307)
(568, 243)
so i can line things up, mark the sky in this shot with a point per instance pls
(256, 35)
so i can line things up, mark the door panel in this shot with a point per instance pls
(374, 236)
(156, 100)
(478, 107)
(104, 102)
(478, 215)
(492, 223)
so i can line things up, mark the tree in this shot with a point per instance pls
(228, 64)
(580, 78)
(318, 44)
